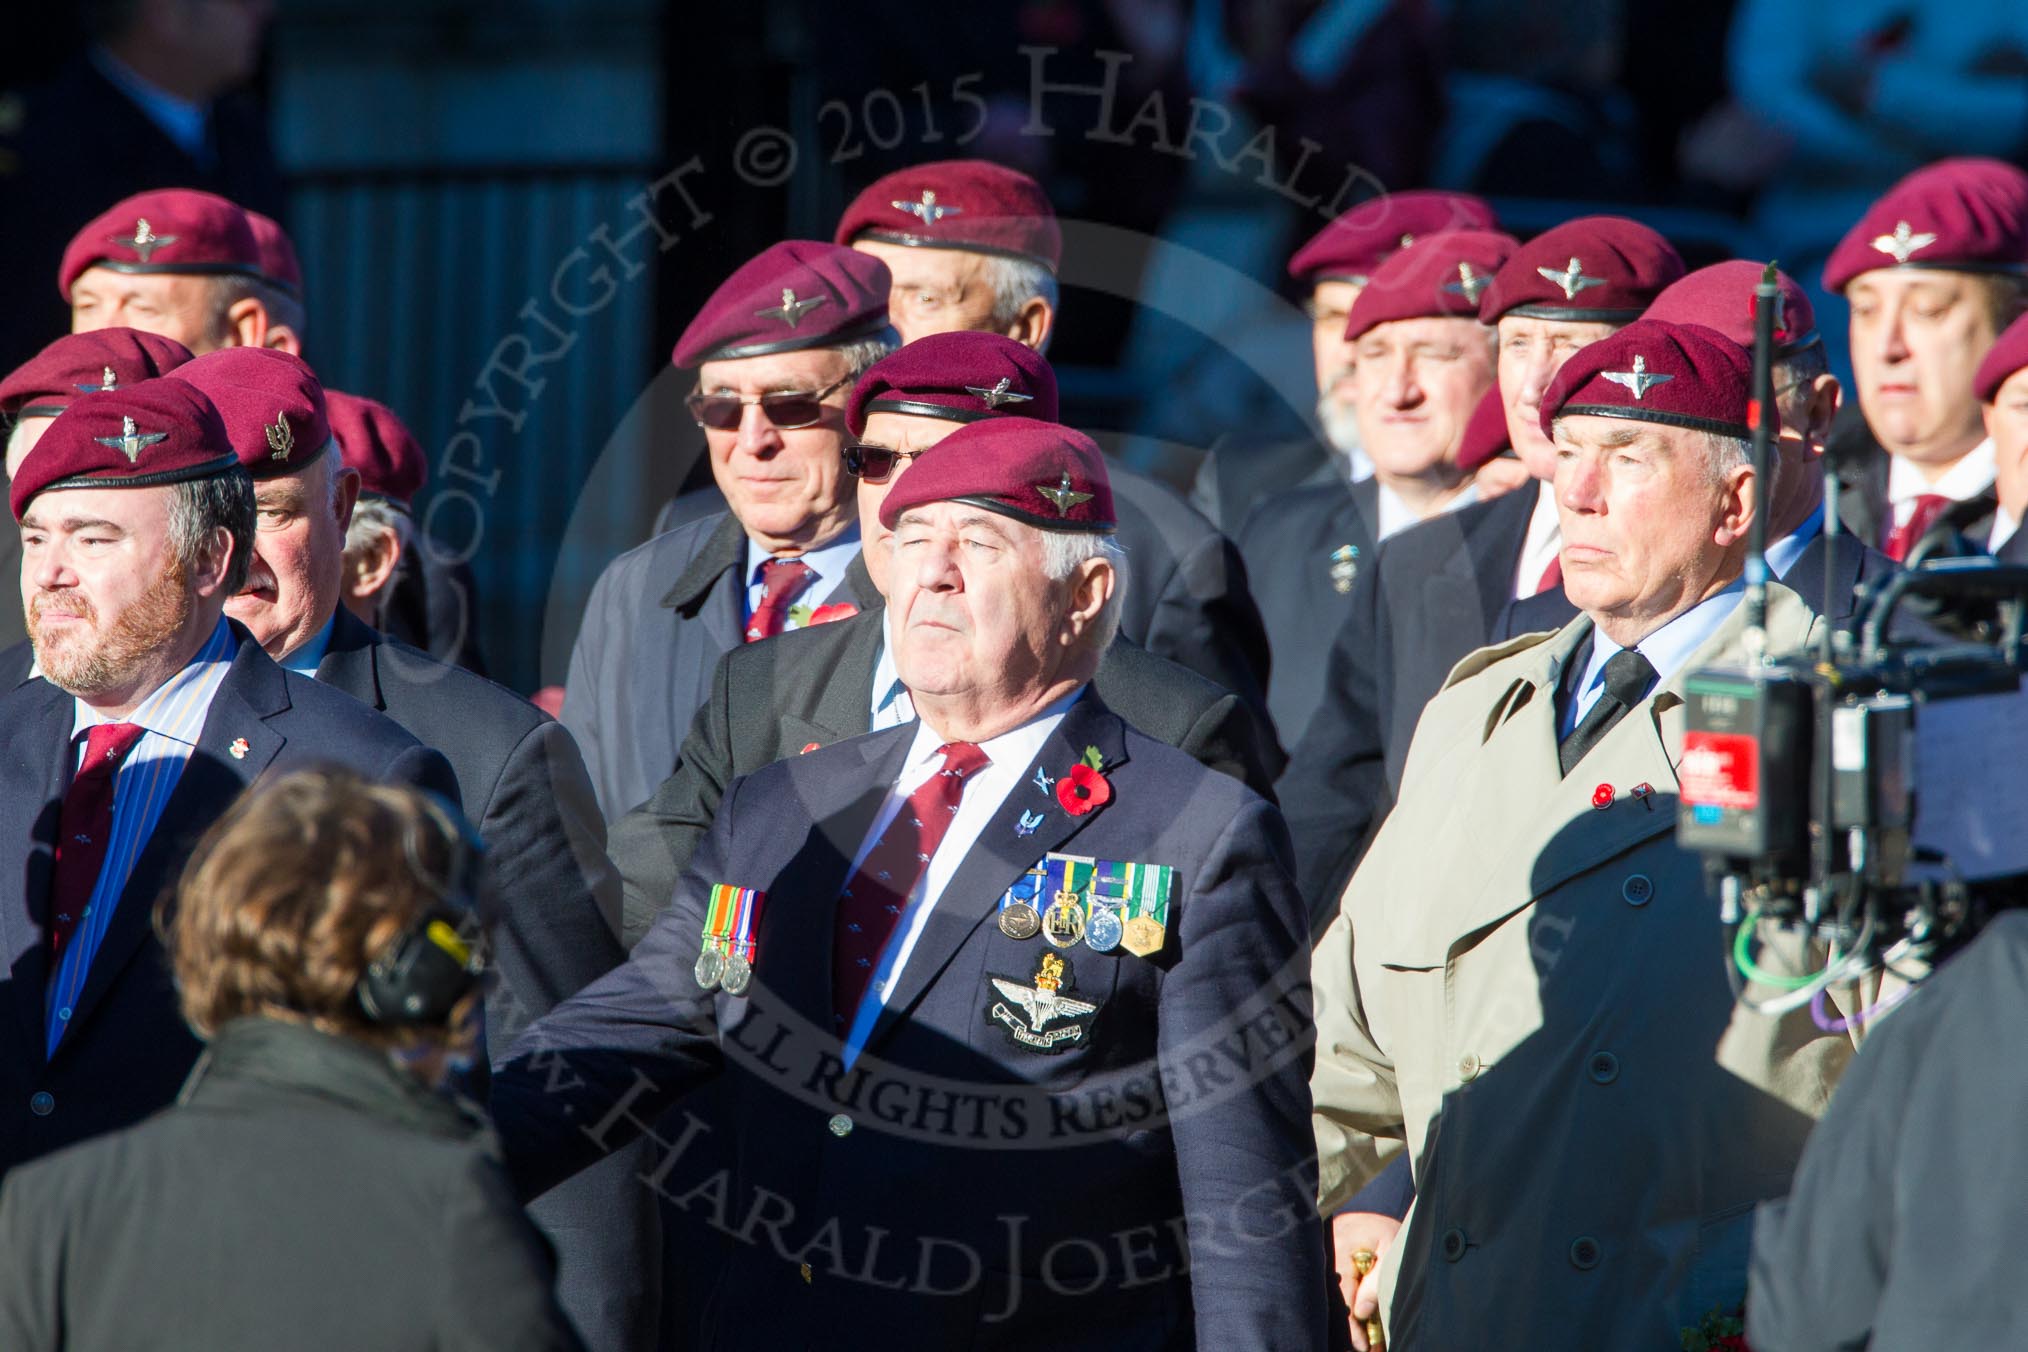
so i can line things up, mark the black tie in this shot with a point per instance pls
(1627, 678)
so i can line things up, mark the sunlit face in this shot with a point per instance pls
(906, 432)
(1531, 353)
(787, 486)
(1917, 339)
(973, 613)
(1649, 523)
(934, 290)
(102, 587)
(1415, 385)
(179, 307)
(293, 584)
(2007, 425)
(1330, 306)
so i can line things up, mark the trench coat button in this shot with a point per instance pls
(1604, 1068)
(1468, 1066)
(1638, 889)
(840, 1125)
(43, 1104)
(1584, 1253)
(805, 1270)
(1454, 1244)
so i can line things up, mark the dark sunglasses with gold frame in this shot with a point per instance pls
(873, 463)
(788, 410)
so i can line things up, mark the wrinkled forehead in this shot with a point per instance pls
(1597, 432)
(950, 518)
(806, 371)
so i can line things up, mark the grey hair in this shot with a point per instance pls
(1015, 282)
(1726, 454)
(219, 502)
(232, 288)
(372, 515)
(1799, 372)
(864, 352)
(1064, 550)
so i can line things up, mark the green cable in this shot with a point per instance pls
(1742, 950)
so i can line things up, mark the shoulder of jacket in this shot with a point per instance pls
(1476, 663)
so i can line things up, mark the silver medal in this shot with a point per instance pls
(710, 968)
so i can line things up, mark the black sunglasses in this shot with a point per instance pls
(874, 463)
(786, 409)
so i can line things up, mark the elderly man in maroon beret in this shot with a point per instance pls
(1572, 949)
(1333, 266)
(1933, 272)
(2002, 387)
(776, 349)
(153, 714)
(873, 909)
(178, 262)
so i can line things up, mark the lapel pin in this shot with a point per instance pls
(808, 747)
(1642, 793)
(1029, 821)
(1602, 796)
(1046, 783)
(238, 748)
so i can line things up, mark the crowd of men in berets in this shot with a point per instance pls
(973, 895)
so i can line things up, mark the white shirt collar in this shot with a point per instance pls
(1667, 649)
(1541, 543)
(828, 561)
(177, 707)
(891, 703)
(1968, 478)
(1015, 747)
(2005, 523)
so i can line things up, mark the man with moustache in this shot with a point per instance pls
(1933, 272)
(776, 348)
(1423, 362)
(835, 680)
(866, 899)
(1333, 266)
(153, 713)
(519, 775)
(34, 393)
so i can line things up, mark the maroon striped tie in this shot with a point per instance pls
(84, 829)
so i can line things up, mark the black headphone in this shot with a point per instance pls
(436, 961)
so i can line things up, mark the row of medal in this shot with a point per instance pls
(1103, 903)
(726, 959)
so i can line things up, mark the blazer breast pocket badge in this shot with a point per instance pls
(1041, 1015)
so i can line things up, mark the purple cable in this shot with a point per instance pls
(1820, 1010)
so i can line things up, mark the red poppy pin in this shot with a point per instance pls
(1084, 788)
(808, 747)
(837, 610)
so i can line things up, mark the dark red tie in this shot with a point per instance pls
(1903, 537)
(84, 829)
(871, 903)
(1552, 576)
(782, 581)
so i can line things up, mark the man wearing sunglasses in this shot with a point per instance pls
(833, 681)
(776, 349)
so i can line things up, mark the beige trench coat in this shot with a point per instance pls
(1529, 992)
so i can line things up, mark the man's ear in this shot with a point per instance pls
(282, 338)
(369, 570)
(1033, 324)
(1091, 586)
(213, 561)
(246, 324)
(1741, 496)
(1826, 394)
(347, 491)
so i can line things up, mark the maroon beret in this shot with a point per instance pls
(1966, 215)
(1357, 242)
(2008, 354)
(276, 253)
(963, 376)
(797, 294)
(160, 431)
(177, 230)
(82, 363)
(1595, 269)
(1438, 277)
(1722, 297)
(957, 204)
(271, 403)
(1679, 375)
(1043, 473)
(379, 445)
(1485, 434)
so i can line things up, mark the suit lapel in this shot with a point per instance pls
(35, 726)
(253, 691)
(1000, 855)
(1505, 530)
(351, 662)
(844, 699)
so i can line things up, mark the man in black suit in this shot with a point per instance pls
(153, 714)
(837, 679)
(1424, 363)
(521, 779)
(1434, 592)
(1932, 272)
(158, 100)
(859, 914)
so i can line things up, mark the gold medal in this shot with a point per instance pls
(1018, 920)
(1144, 936)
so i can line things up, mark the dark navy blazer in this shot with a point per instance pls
(955, 1189)
(127, 1050)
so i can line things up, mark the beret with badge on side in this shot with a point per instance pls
(1041, 473)
(160, 431)
(170, 230)
(1675, 375)
(1363, 237)
(974, 205)
(272, 405)
(961, 376)
(85, 363)
(794, 295)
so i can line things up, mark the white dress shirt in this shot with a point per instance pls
(1540, 545)
(1667, 649)
(2005, 523)
(1397, 516)
(828, 562)
(1968, 478)
(892, 704)
(1009, 754)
